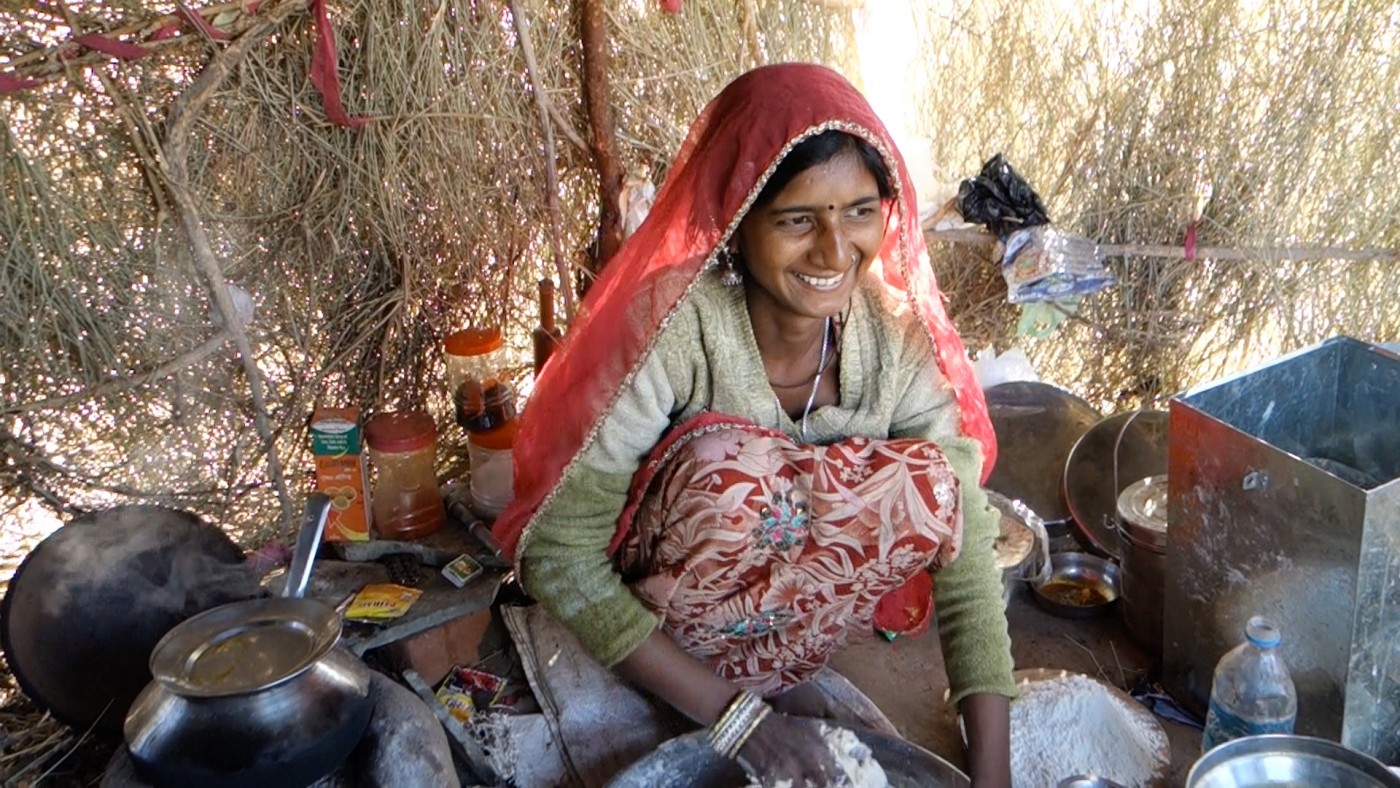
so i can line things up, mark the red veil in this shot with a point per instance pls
(728, 155)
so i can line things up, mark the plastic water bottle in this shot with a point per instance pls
(1252, 693)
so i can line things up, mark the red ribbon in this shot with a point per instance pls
(1191, 242)
(323, 70)
(111, 46)
(9, 84)
(671, 6)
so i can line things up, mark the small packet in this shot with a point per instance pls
(465, 690)
(461, 570)
(381, 602)
(1044, 264)
(456, 700)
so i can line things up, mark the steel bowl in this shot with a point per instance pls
(1286, 760)
(1088, 781)
(1080, 586)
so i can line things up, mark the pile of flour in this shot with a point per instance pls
(851, 756)
(1074, 725)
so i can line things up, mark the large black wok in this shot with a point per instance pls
(253, 693)
(89, 602)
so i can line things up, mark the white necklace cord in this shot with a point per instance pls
(822, 364)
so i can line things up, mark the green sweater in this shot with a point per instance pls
(706, 359)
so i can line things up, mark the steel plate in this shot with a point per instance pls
(1089, 479)
(1036, 425)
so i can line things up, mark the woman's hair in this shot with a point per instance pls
(819, 149)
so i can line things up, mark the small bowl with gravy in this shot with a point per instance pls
(1080, 585)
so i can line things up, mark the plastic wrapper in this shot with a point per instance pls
(1045, 264)
(381, 602)
(993, 370)
(1000, 199)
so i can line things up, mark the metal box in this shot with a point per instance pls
(1283, 500)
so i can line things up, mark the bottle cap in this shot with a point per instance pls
(500, 438)
(401, 431)
(1263, 632)
(473, 341)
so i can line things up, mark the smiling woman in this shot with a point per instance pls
(718, 484)
(812, 232)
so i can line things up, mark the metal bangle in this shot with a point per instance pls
(738, 721)
(763, 711)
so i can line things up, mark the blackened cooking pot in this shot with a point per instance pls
(253, 693)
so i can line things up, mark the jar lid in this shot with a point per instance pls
(1142, 508)
(399, 431)
(473, 341)
(499, 438)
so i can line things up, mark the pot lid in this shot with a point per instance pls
(90, 601)
(1143, 505)
(245, 646)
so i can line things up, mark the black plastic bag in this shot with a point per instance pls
(1000, 199)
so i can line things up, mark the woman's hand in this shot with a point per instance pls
(804, 700)
(783, 748)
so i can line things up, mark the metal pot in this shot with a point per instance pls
(253, 693)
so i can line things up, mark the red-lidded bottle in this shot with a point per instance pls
(403, 450)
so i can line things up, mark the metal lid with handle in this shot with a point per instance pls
(250, 646)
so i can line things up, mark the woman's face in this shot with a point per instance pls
(804, 251)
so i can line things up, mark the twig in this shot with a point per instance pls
(44, 757)
(1122, 679)
(76, 744)
(556, 225)
(1098, 666)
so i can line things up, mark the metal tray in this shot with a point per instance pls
(1285, 760)
(1036, 425)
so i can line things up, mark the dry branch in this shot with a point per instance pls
(173, 158)
(532, 69)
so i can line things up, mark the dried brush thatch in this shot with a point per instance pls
(360, 247)
(363, 247)
(1273, 127)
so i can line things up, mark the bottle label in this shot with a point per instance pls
(1223, 725)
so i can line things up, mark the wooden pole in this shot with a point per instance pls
(593, 32)
(1282, 253)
